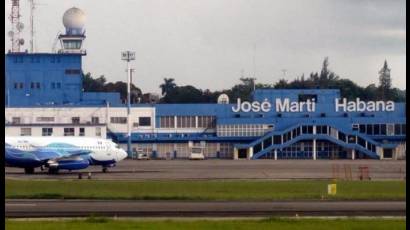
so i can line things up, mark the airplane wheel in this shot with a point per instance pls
(105, 170)
(28, 170)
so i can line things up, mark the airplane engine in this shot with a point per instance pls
(69, 164)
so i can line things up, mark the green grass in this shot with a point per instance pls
(274, 223)
(204, 190)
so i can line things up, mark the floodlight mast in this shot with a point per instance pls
(128, 56)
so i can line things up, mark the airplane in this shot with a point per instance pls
(61, 153)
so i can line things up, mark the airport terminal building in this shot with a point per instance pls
(44, 97)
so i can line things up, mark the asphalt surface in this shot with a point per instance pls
(232, 169)
(83, 208)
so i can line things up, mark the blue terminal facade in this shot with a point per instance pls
(329, 129)
(277, 124)
(48, 79)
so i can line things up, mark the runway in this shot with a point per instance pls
(232, 169)
(110, 208)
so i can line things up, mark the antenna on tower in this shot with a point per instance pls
(17, 27)
(32, 8)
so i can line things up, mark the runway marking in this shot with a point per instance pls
(30, 205)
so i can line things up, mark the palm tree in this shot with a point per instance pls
(167, 86)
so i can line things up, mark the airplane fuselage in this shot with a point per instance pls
(61, 152)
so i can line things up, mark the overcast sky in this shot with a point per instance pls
(211, 43)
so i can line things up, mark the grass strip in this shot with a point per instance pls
(204, 190)
(270, 223)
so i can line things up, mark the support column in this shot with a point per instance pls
(250, 153)
(218, 150)
(276, 154)
(314, 149)
(235, 153)
(353, 154)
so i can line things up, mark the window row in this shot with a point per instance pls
(36, 85)
(35, 59)
(67, 131)
(187, 122)
(380, 129)
(142, 121)
(242, 130)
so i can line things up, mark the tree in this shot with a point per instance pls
(183, 94)
(384, 82)
(93, 85)
(281, 84)
(167, 86)
(121, 87)
(243, 90)
(326, 78)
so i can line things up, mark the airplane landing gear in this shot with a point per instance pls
(28, 170)
(104, 169)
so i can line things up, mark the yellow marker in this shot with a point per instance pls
(331, 189)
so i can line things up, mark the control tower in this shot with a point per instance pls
(72, 40)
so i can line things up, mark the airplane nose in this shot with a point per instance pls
(123, 154)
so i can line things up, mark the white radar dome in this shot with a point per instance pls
(223, 99)
(74, 18)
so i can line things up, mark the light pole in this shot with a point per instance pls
(128, 56)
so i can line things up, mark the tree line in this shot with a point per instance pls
(325, 79)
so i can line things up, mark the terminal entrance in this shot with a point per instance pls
(388, 153)
(242, 153)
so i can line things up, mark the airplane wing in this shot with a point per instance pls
(51, 154)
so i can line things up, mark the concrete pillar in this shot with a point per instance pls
(218, 150)
(314, 149)
(235, 153)
(196, 122)
(250, 153)
(353, 154)
(276, 154)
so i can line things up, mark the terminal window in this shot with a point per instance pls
(72, 71)
(167, 122)
(95, 120)
(98, 132)
(18, 85)
(118, 120)
(82, 131)
(47, 131)
(144, 121)
(25, 132)
(16, 120)
(69, 132)
(75, 120)
(186, 122)
(206, 121)
(45, 119)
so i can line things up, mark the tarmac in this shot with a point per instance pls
(233, 169)
(130, 208)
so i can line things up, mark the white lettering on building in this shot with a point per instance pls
(362, 106)
(285, 105)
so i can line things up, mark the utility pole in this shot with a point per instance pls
(128, 56)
